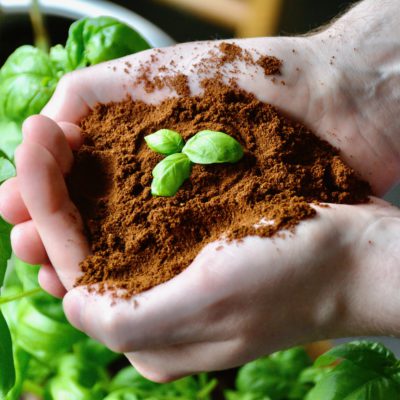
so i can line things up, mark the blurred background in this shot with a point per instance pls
(188, 20)
(181, 20)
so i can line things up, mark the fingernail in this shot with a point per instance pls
(73, 305)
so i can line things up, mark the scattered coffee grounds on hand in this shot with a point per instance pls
(139, 241)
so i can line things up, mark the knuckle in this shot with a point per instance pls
(66, 83)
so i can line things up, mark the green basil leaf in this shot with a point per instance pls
(165, 142)
(38, 371)
(43, 330)
(94, 40)
(124, 394)
(27, 81)
(59, 58)
(211, 147)
(276, 375)
(27, 274)
(350, 382)
(169, 174)
(90, 349)
(61, 388)
(7, 370)
(5, 248)
(21, 360)
(10, 137)
(314, 374)
(262, 376)
(7, 169)
(292, 361)
(130, 378)
(365, 354)
(231, 395)
(85, 372)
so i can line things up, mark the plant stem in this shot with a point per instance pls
(41, 37)
(8, 299)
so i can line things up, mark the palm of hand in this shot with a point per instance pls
(233, 293)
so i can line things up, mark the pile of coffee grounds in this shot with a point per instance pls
(139, 241)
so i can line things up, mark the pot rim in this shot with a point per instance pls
(76, 9)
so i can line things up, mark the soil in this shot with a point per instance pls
(138, 240)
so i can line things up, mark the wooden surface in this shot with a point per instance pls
(247, 18)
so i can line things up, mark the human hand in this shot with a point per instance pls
(54, 234)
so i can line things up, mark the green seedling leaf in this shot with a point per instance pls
(7, 169)
(211, 147)
(27, 81)
(94, 40)
(350, 382)
(165, 142)
(169, 174)
(365, 354)
(7, 370)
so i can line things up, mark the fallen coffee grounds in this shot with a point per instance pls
(139, 241)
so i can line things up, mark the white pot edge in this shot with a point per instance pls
(76, 9)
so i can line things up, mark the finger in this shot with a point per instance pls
(12, 207)
(67, 103)
(73, 134)
(45, 132)
(57, 220)
(27, 244)
(168, 364)
(49, 281)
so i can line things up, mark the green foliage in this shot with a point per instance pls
(39, 329)
(7, 169)
(27, 81)
(211, 147)
(94, 40)
(7, 374)
(169, 174)
(165, 142)
(368, 371)
(10, 137)
(276, 376)
(5, 248)
(129, 384)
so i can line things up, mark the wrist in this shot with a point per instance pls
(369, 292)
(362, 55)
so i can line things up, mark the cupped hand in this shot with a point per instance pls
(250, 298)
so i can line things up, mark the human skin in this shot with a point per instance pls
(337, 274)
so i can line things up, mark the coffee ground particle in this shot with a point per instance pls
(139, 241)
(271, 65)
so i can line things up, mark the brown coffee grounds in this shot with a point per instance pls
(271, 65)
(218, 56)
(139, 241)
